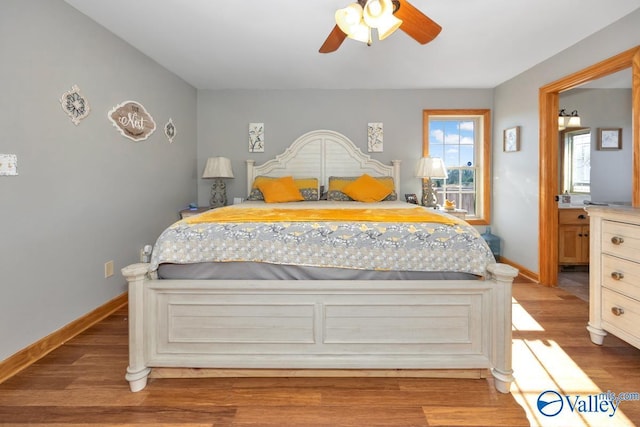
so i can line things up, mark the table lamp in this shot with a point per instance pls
(430, 168)
(218, 168)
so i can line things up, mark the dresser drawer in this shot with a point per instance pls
(573, 216)
(621, 240)
(621, 276)
(627, 318)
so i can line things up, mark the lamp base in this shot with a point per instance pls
(429, 199)
(218, 194)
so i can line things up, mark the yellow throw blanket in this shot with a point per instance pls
(233, 214)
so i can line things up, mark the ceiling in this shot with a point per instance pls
(273, 44)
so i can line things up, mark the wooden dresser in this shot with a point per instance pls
(614, 276)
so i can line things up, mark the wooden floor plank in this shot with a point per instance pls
(82, 384)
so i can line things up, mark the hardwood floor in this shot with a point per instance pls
(82, 383)
(575, 282)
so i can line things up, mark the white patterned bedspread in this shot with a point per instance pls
(357, 244)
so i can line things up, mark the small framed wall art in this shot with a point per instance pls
(256, 137)
(511, 139)
(8, 164)
(375, 138)
(609, 138)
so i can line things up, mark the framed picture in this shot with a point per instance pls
(256, 137)
(374, 138)
(8, 164)
(609, 138)
(511, 140)
(411, 198)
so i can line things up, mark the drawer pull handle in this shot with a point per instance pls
(616, 275)
(617, 240)
(617, 311)
(582, 216)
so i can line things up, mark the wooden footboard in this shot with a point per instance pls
(320, 325)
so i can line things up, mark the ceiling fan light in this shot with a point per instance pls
(361, 33)
(386, 28)
(349, 17)
(376, 10)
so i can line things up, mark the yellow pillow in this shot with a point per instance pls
(366, 189)
(337, 184)
(308, 187)
(280, 190)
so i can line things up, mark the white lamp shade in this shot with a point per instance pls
(573, 122)
(379, 14)
(561, 123)
(431, 167)
(568, 120)
(388, 26)
(350, 22)
(218, 167)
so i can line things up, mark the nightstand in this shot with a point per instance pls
(460, 213)
(185, 213)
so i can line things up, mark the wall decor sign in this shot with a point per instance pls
(374, 137)
(132, 120)
(75, 105)
(610, 139)
(170, 130)
(8, 164)
(256, 137)
(511, 139)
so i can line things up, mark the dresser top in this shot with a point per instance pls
(619, 212)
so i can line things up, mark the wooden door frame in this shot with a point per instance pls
(549, 151)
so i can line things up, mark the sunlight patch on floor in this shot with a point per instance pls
(521, 320)
(540, 365)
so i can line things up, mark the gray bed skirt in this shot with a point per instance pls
(265, 271)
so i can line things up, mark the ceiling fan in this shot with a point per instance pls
(357, 19)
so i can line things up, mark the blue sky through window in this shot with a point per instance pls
(452, 140)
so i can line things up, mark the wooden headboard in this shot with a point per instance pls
(321, 154)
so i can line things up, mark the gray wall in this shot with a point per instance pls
(515, 179)
(84, 194)
(224, 117)
(611, 177)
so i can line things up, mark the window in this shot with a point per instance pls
(577, 161)
(462, 139)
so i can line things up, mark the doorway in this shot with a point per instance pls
(549, 151)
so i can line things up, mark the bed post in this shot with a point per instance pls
(396, 175)
(502, 369)
(137, 371)
(250, 175)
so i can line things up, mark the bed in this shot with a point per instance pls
(326, 304)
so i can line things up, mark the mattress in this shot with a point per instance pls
(321, 240)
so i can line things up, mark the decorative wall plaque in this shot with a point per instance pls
(170, 130)
(75, 105)
(132, 120)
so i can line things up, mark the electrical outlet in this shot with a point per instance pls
(108, 269)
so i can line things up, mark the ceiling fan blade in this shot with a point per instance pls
(333, 42)
(416, 24)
